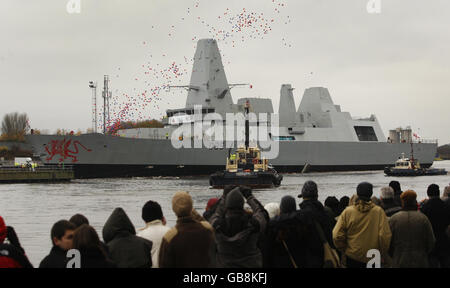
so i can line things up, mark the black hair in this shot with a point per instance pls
(60, 228)
(79, 220)
(151, 211)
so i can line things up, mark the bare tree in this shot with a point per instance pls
(15, 124)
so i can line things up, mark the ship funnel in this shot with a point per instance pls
(208, 86)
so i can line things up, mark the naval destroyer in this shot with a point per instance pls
(316, 136)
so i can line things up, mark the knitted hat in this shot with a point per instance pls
(3, 230)
(234, 199)
(364, 191)
(433, 190)
(182, 204)
(387, 193)
(151, 211)
(273, 209)
(287, 204)
(309, 190)
(211, 203)
(409, 199)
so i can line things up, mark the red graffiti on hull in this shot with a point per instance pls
(61, 148)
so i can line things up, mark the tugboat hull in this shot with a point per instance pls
(221, 179)
(413, 172)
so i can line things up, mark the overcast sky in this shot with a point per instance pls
(394, 64)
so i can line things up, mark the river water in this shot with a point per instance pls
(33, 208)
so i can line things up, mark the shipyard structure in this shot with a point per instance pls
(315, 136)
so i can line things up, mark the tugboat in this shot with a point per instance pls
(411, 167)
(246, 167)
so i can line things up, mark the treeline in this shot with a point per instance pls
(14, 127)
(444, 152)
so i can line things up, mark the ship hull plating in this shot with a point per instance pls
(98, 156)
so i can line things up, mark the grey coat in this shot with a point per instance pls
(412, 239)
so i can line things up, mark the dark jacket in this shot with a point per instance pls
(312, 211)
(95, 258)
(439, 215)
(238, 234)
(190, 244)
(284, 240)
(125, 248)
(390, 207)
(56, 259)
(13, 257)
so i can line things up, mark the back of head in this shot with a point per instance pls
(79, 220)
(309, 190)
(234, 199)
(387, 193)
(3, 230)
(364, 191)
(395, 185)
(331, 202)
(151, 211)
(409, 200)
(273, 209)
(59, 229)
(182, 204)
(86, 238)
(433, 191)
(287, 204)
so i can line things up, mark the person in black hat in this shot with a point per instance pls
(438, 212)
(395, 185)
(237, 232)
(312, 212)
(362, 227)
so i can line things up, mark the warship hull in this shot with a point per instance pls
(99, 156)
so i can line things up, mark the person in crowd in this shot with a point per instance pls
(78, 220)
(125, 248)
(360, 228)
(61, 236)
(395, 185)
(332, 208)
(273, 209)
(438, 212)
(412, 235)
(190, 244)
(92, 255)
(343, 203)
(238, 234)
(387, 201)
(284, 237)
(12, 255)
(155, 228)
(446, 195)
(312, 217)
(211, 206)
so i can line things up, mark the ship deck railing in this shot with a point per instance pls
(20, 169)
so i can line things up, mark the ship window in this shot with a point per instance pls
(283, 138)
(366, 133)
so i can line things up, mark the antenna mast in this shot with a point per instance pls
(93, 86)
(106, 94)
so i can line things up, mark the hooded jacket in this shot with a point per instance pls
(125, 248)
(362, 227)
(237, 235)
(11, 255)
(412, 239)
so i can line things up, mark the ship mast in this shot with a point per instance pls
(247, 106)
(106, 94)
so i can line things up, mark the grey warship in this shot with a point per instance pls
(317, 136)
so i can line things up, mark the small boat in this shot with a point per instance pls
(411, 167)
(246, 167)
